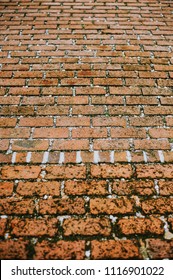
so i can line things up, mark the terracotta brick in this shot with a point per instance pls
(159, 249)
(154, 171)
(34, 227)
(86, 132)
(73, 121)
(91, 187)
(30, 145)
(14, 132)
(87, 227)
(128, 133)
(157, 206)
(4, 145)
(111, 206)
(74, 144)
(8, 122)
(151, 144)
(111, 171)
(62, 206)
(165, 188)
(6, 188)
(38, 188)
(3, 223)
(20, 172)
(161, 132)
(34, 122)
(144, 226)
(16, 206)
(14, 249)
(50, 133)
(61, 250)
(133, 187)
(114, 249)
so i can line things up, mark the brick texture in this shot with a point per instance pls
(86, 129)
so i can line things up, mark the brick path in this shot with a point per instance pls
(86, 129)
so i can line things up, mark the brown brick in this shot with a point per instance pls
(50, 133)
(34, 227)
(34, 122)
(61, 250)
(161, 132)
(111, 206)
(146, 121)
(91, 187)
(114, 249)
(14, 132)
(88, 227)
(73, 121)
(38, 188)
(157, 206)
(152, 144)
(8, 122)
(154, 171)
(134, 187)
(128, 133)
(20, 172)
(160, 249)
(104, 144)
(109, 121)
(62, 206)
(4, 145)
(144, 226)
(86, 132)
(74, 144)
(165, 188)
(14, 249)
(111, 171)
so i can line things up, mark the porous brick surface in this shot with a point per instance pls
(86, 129)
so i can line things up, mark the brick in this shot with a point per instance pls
(14, 132)
(3, 223)
(20, 172)
(36, 122)
(91, 187)
(159, 249)
(109, 121)
(87, 227)
(16, 206)
(152, 144)
(14, 249)
(4, 144)
(143, 226)
(90, 90)
(154, 171)
(111, 206)
(125, 90)
(124, 110)
(73, 100)
(170, 221)
(86, 132)
(107, 100)
(30, 145)
(161, 132)
(169, 121)
(62, 206)
(34, 227)
(73, 121)
(6, 188)
(8, 122)
(111, 144)
(107, 81)
(52, 110)
(111, 171)
(9, 100)
(146, 121)
(157, 206)
(75, 81)
(61, 250)
(50, 133)
(165, 188)
(128, 133)
(114, 249)
(135, 100)
(143, 187)
(68, 172)
(37, 100)
(82, 144)
(87, 110)
(38, 188)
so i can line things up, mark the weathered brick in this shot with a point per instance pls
(157, 206)
(133, 187)
(38, 188)
(20, 172)
(3, 223)
(14, 249)
(6, 188)
(91, 187)
(61, 250)
(160, 249)
(111, 171)
(154, 171)
(16, 206)
(114, 249)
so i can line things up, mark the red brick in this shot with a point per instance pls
(111, 171)
(68, 172)
(161, 132)
(165, 188)
(87, 227)
(75, 81)
(14, 132)
(154, 171)
(109, 121)
(87, 110)
(133, 187)
(4, 144)
(82, 144)
(124, 110)
(61, 250)
(128, 133)
(30, 145)
(3, 223)
(53, 110)
(73, 121)
(135, 100)
(20, 172)
(159, 249)
(152, 144)
(9, 100)
(50, 133)
(8, 122)
(157, 206)
(114, 249)
(111, 206)
(86, 132)
(73, 100)
(144, 226)
(91, 187)
(38, 100)
(6, 188)
(169, 121)
(62, 206)
(14, 249)
(16, 206)
(111, 144)
(38, 188)
(90, 90)
(146, 121)
(34, 227)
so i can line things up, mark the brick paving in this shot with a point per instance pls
(86, 129)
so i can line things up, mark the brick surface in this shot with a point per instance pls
(86, 137)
